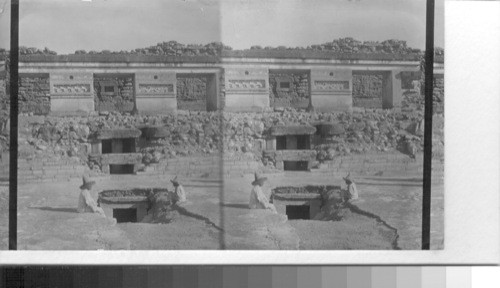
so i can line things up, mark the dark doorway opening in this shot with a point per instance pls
(297, 212)
(106, 146)
(128, 145)
(280, 142)
(125, 215)
(121, 169)
(303, 142)
(295, 165)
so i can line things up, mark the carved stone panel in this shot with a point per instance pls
(156, 89)
(247, 84)
(325, 85)
(71, 89)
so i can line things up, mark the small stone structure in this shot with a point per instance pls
(289, 147)
(114, 151)
(300, 202)
(326, 132)
(127, 205)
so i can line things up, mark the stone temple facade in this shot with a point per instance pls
(237, 81)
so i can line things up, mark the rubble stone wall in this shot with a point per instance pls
(296, 95)
(367, 90)
(438, 93)
(192, 93)
(207, 134)
(120, 99)
(222, 91)
(34, 94)
(4, 100)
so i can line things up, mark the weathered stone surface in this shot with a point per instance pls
(112, 93)
(367, 90)
(292, 155)
(118, 133)
(121, 158)
(192, 93)
(292, 130)
(329, 129)
(289, 90)
(34, 94)
(155, 131)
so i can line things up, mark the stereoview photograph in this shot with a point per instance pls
(279, 125)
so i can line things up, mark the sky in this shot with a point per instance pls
(68, 25)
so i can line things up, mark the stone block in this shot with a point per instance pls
(121, 158)
(271, 144)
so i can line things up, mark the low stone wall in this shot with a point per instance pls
(34, 94)
(46, 170)
(121, 98)
(295, 92)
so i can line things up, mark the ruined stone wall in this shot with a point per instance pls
(34, 94)
(222, 91)
(234, 134)
(438, 94)
(412, 99)
(192, 93)
(295, 95)
(4, 100)
(120, 99)
(367, 90)
(48, 137)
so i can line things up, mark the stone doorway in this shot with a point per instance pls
(197, 92)
(126, 145)
(123, 215)
(295, 212)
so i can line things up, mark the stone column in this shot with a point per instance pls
(212, 92)
(247, 89)
(392, 92)
(71, 91)
(331, 89)
(155, 92)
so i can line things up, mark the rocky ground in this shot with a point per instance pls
(207, 133)
(47, 217)
(359, 230)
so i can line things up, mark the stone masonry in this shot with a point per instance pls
(34, 94)
(114, 93)
(289, 90)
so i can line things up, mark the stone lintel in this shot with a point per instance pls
(293, 130)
